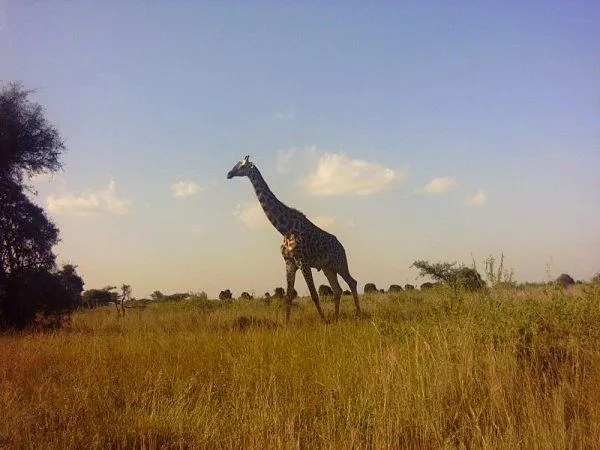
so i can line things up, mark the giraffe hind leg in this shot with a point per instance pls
(313, 292)
(345, 274)
(335, 287)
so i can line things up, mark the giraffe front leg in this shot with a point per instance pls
(311, 287)
(290, 269)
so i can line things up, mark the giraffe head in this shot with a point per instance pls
(241, 169)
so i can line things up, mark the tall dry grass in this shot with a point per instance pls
(506, 369)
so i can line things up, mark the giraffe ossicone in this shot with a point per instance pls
(305, 245)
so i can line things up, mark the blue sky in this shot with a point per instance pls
(411, 130)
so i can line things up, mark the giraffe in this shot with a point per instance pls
(304, 246)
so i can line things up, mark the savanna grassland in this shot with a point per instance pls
(512, 368)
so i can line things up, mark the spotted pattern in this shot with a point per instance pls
(305, 245)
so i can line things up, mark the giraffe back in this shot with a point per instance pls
(311, 246)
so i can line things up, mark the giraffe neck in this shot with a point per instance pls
(277, 213)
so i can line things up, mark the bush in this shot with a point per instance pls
(246, 296)
(469, 279)
(225, 295)
(92, 298)
(409, 287)
(40, 298)
(426, 285)
(325, 291)
(176, 297)
(370, 288)
(565, 280)
(395, 288)
(280, 293)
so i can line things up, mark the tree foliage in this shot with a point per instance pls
(157, 295)
(92, 298)
(457, 277)
(29, 145)
(26, 234)
(41, 297)
(72, 282)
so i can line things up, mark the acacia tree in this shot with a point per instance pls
(456, 277)
(29, 145)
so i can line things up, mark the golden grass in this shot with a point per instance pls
(507, 369)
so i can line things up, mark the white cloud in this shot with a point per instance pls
(88, 203)
(338, 174)
(252, 215)
(478, 199)
(439, 185)
(184, 188)
(288, 114)
(284, 159)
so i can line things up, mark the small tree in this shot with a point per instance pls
(125, 297)
(426, 285)
(456, 277)
(409, 287)
(395, 288)
(370, 288)
(245, 296)
(325, 291)
(157, 295)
